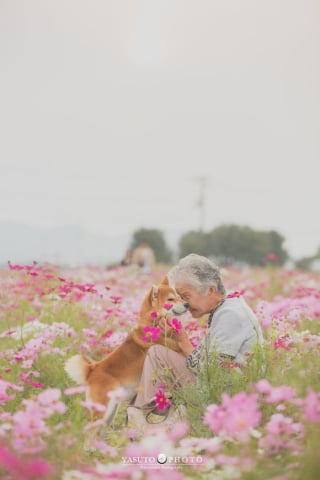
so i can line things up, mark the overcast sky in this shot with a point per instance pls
(111, 109)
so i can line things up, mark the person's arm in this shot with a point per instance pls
(184, 342)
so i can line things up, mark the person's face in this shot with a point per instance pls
(199, 303)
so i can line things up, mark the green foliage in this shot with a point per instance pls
(214, 379)
(194, 242)
(156, 240)
(297, 367)
(306, 263)
(235, 244)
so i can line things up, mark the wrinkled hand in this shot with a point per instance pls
(184, 342)
(180, 336)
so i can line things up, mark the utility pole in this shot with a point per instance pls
(201, 202)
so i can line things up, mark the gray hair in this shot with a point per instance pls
(198, 272)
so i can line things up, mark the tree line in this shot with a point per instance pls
(226, 244)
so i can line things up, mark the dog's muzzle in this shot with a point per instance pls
(180, 308)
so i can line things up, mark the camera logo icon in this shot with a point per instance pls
(162, 458)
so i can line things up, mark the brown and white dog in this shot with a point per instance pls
(123, 366)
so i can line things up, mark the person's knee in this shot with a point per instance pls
(156, 350)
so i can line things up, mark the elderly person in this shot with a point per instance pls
(233, 329)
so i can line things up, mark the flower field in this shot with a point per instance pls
(257, 426)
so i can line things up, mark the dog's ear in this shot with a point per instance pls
(151, 297)
(165, 281)
(154, 293)
(149, 301)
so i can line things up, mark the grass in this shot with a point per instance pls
(24, 298)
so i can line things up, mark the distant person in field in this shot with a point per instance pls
(127, 260)
(143, 256)
(232, 329)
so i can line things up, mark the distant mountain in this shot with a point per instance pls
(69, 245)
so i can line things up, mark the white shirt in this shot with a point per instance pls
(233, 330)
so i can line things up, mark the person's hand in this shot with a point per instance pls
(179, 334)
(184, 342)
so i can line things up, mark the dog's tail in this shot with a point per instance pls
(78, 368)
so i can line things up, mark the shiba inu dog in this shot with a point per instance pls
(123, 366)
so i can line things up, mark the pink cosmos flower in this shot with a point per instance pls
(75, 390)
(178, 431)
(89, 332)
(275, 394)
(85, 288)
(27, 364)
(4, 386)
(282, 342)
(7, 333)
(263, 386)
(152, 334)
(229, 365)
(116, 299)
(167, 306)
(28, 428)
(22, 267)
(175, 324)
(115, 339)
(22, 469)
(15, 266)
(235, 417)
(279, 424)
(154, 314)
(107, 334)
(50, 399)
(311, 406)
(282, 433)
(24, 378)
(26, 423)
(162, 400)
(280, 394)
(236, 294)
